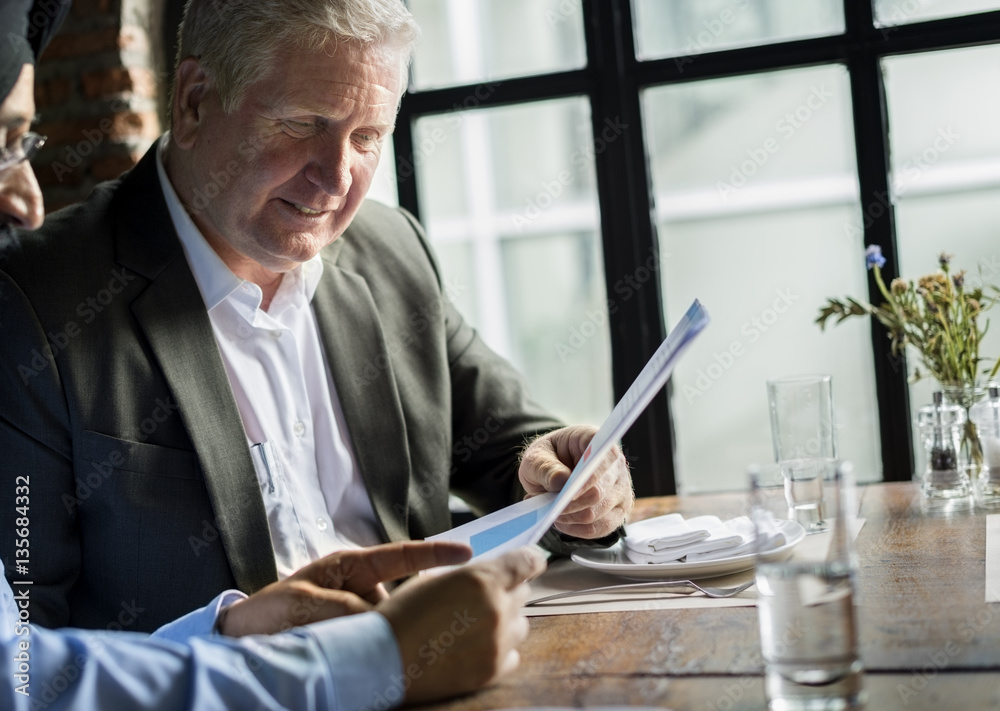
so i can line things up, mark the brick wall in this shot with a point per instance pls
(98, 92)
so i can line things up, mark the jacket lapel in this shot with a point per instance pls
(172, 315)
(352, 336)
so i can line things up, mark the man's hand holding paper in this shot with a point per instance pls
(597, 475)
(602, 505)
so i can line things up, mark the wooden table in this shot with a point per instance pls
(928, 639)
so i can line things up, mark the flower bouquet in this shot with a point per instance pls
(937, 316)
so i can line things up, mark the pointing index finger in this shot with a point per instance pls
(361, 570)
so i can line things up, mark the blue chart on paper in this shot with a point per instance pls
(493, 537)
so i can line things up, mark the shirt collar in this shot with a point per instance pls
(215, 280)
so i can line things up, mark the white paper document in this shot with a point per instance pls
(525, 522)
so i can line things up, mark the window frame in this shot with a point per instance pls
(613, 81)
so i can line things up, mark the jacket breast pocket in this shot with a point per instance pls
(99, 453)
(147, 531)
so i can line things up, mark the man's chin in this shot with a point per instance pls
(295, 250)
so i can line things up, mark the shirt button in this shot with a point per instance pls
(243, 330)
(276, 334)
(299, 428)
(321, 523)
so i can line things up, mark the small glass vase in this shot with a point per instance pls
(966, 395)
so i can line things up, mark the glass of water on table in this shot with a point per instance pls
(805, 445)
(805, 606)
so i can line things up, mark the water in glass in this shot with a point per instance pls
(808, 636)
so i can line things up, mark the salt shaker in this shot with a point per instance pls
(986, 415)
(940, 426)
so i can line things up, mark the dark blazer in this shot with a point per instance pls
(116, 410)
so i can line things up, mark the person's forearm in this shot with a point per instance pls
(302, 669)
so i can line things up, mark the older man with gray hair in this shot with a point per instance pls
(373, 659)
(227, 363)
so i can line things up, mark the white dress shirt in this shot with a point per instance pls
(315, 499)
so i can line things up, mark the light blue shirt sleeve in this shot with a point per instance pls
(201, 622)
(346, 664)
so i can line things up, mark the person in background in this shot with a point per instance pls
(254, 366)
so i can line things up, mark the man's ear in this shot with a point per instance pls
(190, 90)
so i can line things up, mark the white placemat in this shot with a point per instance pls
(564, 574)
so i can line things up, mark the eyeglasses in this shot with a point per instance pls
(24, 148)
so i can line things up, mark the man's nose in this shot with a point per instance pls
(330, 169)
(21, 202)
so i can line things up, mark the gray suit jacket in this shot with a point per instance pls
(116, 410)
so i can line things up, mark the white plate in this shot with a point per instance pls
(614, 561)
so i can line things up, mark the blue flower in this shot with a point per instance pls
(873, 257)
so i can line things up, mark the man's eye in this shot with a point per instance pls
(300, 127)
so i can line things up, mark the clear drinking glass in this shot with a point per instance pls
(804, 441)
(808, 625)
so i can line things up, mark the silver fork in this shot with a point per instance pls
(680, 587)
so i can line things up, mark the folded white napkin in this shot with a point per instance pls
(640, 549)
(773, 538)
(669, 531)
(724, 540)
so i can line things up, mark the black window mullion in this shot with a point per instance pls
(624, 193)
(871, 138)
(406, 170)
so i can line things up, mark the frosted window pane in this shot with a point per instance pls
(470, 41)
(383, 187)
(509, 200)
(902, 12)
(687, 28)
(758, 216)
(558, 316)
